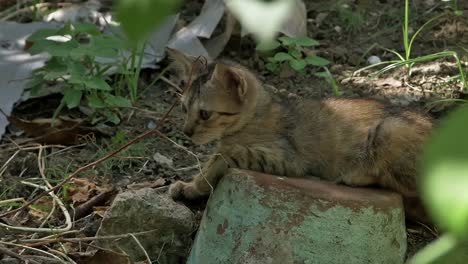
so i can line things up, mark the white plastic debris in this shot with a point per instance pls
(16, 65)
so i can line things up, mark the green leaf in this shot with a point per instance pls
(54, 48)
(72, 97)
(53, 75)
(287, 41)
(316, 61)
(97, 83)
(54, 69)
(112, 117)
(95, 102)
(272, 67)
(117, 101)
(446, 249)
(106, 46)
(305, 42)
(42, 34)
(282, 56)
(266, 46)
(55, 64)
(139, 17)
(76, 70)
(297, 54)
(35, 84)
(445, 173)
(87, 28)
(297, 65)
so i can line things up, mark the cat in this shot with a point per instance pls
(356, 142)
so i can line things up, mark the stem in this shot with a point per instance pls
(405, 30)
(57, 111)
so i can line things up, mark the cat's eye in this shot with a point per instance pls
(205, 115)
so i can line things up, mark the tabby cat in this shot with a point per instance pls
(356, 142)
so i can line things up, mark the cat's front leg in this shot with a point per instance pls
(203, 183)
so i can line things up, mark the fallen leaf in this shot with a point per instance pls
(100, 210)
(62, 130)
(80, 190)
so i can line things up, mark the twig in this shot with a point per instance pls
(65, 149)
(62, 254)
(41, 166)
(87, 207)
(20, 199)
(142, 248)
(96, 162)
(191, 153)
(12, 254)
(19, 149)
(100, 248)
(40, 229)
(41, 241)
(166, 80)
(33, 249)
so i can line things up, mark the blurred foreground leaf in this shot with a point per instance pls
(139, 17)
(445, 174)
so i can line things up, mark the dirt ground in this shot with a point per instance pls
(345, 40)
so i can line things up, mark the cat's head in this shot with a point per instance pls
(220, 100)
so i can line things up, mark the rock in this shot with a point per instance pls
(259, 218)
(170, 224)
(373, 60)
(161, 159)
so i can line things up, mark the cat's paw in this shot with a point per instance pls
(184, 190)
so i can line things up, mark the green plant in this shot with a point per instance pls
(131, 157)
(408, 41)
(326, 74)
(73, 64)
(294, 55)
(444, 185)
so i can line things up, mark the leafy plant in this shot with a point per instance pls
(73, 50)
(444, 185)
(408, 41)
(326, 74)
(294, 55)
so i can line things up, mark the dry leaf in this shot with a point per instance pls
(100, 210)
(81, 189)
(62, 130)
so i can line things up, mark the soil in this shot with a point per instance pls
(346, 41)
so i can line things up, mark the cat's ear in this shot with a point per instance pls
(185, 66)
(232, 79)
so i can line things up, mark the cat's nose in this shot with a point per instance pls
(188, 132)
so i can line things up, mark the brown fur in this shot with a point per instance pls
(357, 142)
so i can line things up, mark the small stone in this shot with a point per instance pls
(151, 124)
(161, 159)
(373, 60)
(169, 226)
